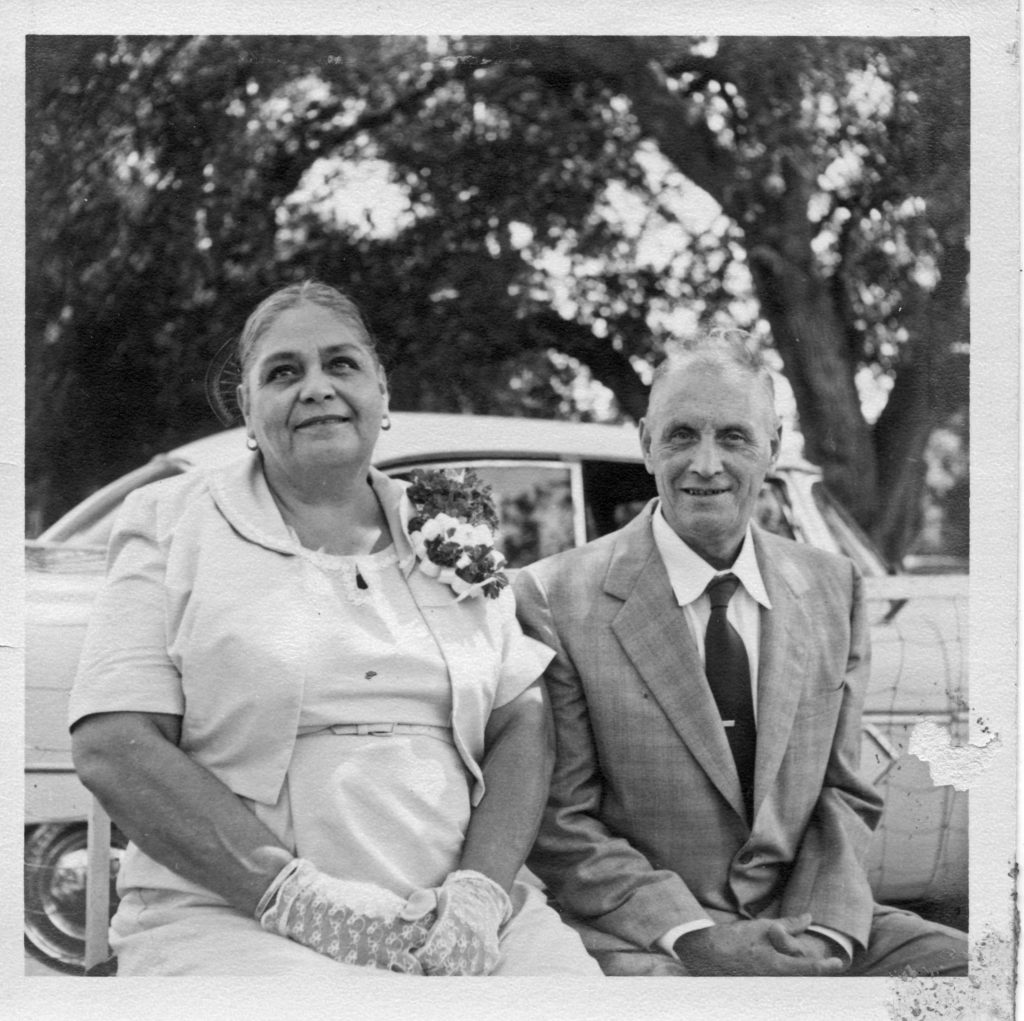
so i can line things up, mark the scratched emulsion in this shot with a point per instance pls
(989, 990)
(950, 765)
(987, 993)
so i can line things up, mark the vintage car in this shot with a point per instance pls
(557, 485)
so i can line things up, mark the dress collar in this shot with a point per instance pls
(242, 495)
(689, 573)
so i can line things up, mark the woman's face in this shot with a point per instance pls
(313, 395)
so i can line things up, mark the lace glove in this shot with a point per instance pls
(355, 923)
(464, 941)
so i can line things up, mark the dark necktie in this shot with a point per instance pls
(728, 672)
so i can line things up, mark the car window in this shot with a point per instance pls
(615, 492)
(534, 502)
(852, 539)
(773, 511)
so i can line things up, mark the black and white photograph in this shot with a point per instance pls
(492, 497)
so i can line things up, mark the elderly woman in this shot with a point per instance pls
(323, 758)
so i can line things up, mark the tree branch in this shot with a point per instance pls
(631, 66)
(289, 166)
(608, 366)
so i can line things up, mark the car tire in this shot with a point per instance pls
(55, 874)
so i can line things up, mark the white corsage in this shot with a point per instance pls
(453, 529)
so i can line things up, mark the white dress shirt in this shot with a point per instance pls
(689, 575)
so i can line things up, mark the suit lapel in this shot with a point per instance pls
(653, 632)
(782, 661)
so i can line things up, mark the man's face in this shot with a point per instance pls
(708, 439)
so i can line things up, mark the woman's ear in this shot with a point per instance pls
(242, 395)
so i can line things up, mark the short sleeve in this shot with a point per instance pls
(125, 666)
(523, 659)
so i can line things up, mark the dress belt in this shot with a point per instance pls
(387, 729)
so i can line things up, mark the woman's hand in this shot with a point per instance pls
(354, 923)
(470, 911)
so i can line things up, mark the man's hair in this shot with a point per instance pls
(718, 346)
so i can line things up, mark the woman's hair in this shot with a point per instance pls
(310, 292)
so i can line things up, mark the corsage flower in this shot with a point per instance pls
(453, 528)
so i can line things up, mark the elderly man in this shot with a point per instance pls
(706, 816)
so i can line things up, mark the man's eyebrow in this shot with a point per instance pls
(676, 423)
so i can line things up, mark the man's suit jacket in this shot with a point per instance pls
(645, 827)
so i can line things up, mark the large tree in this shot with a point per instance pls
(558, 207)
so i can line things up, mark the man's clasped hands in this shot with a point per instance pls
(760, 946)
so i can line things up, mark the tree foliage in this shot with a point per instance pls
(540, 211)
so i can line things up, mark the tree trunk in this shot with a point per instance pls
(933, 380)
(806, 325)
(810, 335)
(810, 338)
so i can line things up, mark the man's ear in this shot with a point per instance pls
(645, 445)
(776, 443)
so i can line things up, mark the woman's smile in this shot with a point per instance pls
(323, 421)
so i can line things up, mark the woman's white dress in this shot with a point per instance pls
(386, 809)
(390, 810)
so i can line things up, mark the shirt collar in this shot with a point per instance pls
(689, 573)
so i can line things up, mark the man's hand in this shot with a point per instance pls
(762, 946)
(813, 945)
